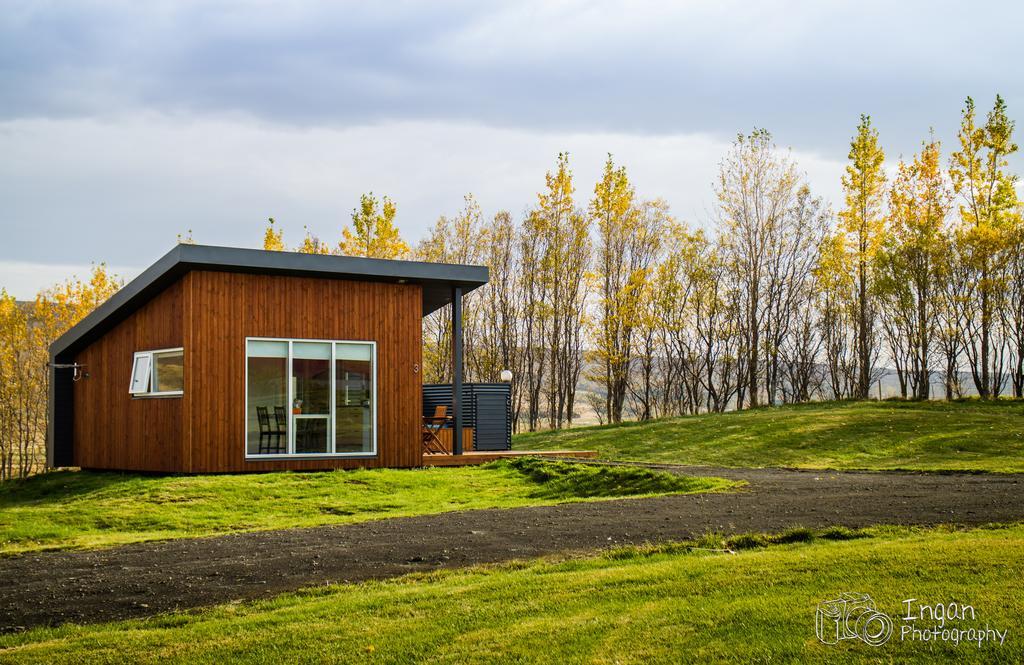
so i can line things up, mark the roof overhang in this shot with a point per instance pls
(437, 280)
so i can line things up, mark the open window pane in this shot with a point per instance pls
(140, 373)
(158, 373)
(169, 372)
(267, 396)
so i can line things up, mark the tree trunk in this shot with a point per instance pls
(863, 343)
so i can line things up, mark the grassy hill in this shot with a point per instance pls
(961, 436)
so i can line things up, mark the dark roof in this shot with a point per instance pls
(437, 279)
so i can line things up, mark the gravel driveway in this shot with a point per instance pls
(144, 579)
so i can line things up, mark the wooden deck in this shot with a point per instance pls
(484, 456)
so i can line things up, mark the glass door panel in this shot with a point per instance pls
(353, 398)
(311, 395)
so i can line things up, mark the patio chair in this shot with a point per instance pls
(432, 425)
(270, 437)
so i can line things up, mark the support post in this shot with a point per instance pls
(457, 370)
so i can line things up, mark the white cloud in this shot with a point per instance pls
(123, 124)
(77, 190)
(798, 66)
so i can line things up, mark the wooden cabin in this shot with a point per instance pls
(220, 359)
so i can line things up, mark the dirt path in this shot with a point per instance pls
(140, 580)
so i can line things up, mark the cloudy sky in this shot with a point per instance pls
(123, 124)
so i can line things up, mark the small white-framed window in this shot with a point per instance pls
(158, 373)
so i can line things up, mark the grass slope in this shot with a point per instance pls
(666, 605)
(82, 509)
(964, 436)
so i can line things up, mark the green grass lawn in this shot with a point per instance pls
(670, 604)
(68, 509)
(962, 436)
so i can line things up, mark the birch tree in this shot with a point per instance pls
(862, 221)
(373, 233)
(26, 332)
(757, 190)
(911, 264)
(628, 236)
(989, 214)
(556, 250)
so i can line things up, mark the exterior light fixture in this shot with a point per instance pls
(506, 376)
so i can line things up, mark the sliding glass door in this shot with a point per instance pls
(353, 398)
(310, 398)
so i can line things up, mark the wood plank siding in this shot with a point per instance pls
(445, 437)
(113, 430)
(210, 314)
